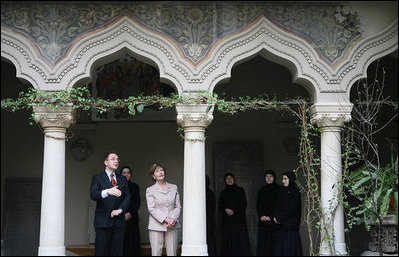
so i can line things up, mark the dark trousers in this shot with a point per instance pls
(132, 245)
(109, 241)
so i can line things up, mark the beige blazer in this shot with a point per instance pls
(162, 203)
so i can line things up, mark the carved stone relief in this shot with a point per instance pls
(389, 239)
(389, 236)
(22, 216)
(331, 28)
(81, 149)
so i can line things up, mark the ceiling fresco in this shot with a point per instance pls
(194, 27)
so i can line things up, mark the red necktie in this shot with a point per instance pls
(113, 180)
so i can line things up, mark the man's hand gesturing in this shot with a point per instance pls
(114, 191)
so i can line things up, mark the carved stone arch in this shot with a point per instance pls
(124, 36)
(260, 37)
(125, 33)
(26, 58)
(364, 53)
(307, 68)
(271, 42)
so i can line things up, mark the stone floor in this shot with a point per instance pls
(370, 253)
(88, 250)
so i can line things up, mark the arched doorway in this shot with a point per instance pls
(21, 171)
(248, 143)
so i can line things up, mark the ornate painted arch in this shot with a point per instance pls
(262, 36)
(123, 34)
(306, 66)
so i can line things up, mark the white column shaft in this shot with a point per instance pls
(52, 220)
(339, 231)
(330, 117)
(194, 118)
(194, 211)
(331, 176)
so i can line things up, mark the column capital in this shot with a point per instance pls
(54, 119)
(330, 115)
(194, 115)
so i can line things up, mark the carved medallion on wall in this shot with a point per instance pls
(81, 149)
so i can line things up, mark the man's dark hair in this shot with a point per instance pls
(108, 153)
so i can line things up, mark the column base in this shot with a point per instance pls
(51, 251)
(194, 250)
(340, 249)
(370, 253)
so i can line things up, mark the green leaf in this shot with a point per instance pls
(385, 203)
(140, 108)
(360, 211)
(360, 183)
(132, 111)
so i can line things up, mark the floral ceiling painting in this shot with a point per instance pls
(331, 28)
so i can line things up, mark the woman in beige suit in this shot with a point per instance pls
(163, 202)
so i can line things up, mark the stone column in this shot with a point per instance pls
(194, 118)
(54, 123)
(330, 119)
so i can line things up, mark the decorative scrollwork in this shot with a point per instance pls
(196, 28)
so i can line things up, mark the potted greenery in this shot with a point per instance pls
(377, 190)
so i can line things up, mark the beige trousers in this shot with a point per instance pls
(157, 238)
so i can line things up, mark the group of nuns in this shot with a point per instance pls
(279, 214)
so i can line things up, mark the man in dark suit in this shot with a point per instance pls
(111, 192)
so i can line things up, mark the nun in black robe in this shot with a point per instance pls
(232, 205)
(131, 245)
(288, 215)
(268, 198)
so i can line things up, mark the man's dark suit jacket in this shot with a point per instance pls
(106, 205)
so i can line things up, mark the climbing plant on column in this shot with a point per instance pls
(309, 160)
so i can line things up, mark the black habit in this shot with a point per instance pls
(268, 198)
(288, 214)
(235, 238)
(210, 219)
(132, 245)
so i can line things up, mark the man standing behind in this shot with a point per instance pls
(111, 192)
(132, 245)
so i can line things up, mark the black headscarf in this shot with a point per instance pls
(292, 178)
(234, 184)
(229, 174)
(271, 172)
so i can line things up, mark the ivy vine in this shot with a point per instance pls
(309, 161)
